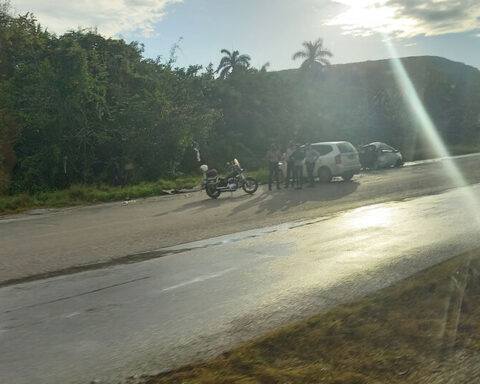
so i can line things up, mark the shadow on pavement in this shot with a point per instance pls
(205, 203)
(286, 199)
(269, 202)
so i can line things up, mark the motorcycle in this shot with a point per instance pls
(215, 185)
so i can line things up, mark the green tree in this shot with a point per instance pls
(315, 55)
(232, 61)
(265, 67)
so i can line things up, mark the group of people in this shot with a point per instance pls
(294, 157)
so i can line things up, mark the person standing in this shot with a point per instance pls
(298, 158)
(273, 157)
(290, 164)
(311, 156)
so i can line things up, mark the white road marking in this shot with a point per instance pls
(72, 315)
(198, 280)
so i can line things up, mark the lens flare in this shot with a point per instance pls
(421, 118)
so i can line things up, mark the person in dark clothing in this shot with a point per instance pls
(298, 158)
(311, 156)
(273, 157)
(290, 165)
(370, 156)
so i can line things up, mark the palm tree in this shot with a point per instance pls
(265, 67)
(315, 55)
(231, 61)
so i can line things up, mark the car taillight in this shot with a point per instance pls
(338, 159)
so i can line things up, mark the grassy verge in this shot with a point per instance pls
(404, 334)
(91, 194)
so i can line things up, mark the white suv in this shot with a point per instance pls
(337, 158)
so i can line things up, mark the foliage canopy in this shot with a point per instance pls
(74, 106)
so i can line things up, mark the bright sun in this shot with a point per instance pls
(366, 17)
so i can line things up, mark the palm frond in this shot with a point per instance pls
(244, 57)
(324, 62)
(224, 72)
(308, 45)
(223, 63)
(324, 53)
(265, 66)
(299, 55)
(318, 43)
(244, 60)
(226, 52)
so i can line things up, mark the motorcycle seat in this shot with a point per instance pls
(212, 173)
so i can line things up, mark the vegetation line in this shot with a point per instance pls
(92, 194)
(81, 108)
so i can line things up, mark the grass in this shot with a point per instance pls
(92, 194)
(403, 334)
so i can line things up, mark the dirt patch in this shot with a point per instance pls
(422, 330)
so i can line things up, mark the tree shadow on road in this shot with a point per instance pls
(208, 203)
(269, 202)
(287, 199)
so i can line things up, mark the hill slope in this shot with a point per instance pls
(362, 102)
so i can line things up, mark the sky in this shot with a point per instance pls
(272, 30)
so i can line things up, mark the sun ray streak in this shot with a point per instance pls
(422, 119)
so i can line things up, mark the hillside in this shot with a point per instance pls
(362, 102)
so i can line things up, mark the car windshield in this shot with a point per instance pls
(239, 191)
(386, 147)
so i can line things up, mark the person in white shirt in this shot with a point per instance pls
(289, 160)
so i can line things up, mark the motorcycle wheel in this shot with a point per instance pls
(212, 191)
(250, 185)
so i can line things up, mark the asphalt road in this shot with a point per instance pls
(150, 316)
(46, 241)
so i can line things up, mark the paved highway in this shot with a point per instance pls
(203, 297)
(33, 245)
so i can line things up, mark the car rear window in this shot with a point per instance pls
(346, 147)
(323, 149)
(385, 147)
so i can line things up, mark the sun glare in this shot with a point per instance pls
(370, 217)
(422, 120)
(365, 17)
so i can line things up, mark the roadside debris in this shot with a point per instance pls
(37, 212)
(128, 200)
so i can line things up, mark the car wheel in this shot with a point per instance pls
(324, 175)
(399, 163)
